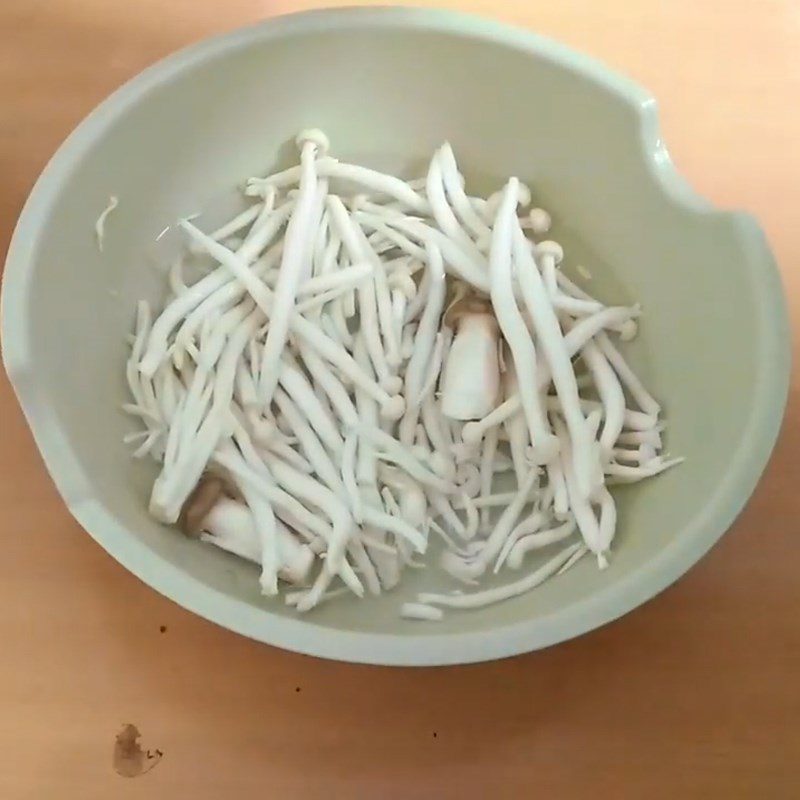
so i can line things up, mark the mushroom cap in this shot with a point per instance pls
(401, 279)
(472, 432)
(628, 330)
(494, 200)
(552, 249)
(317, 137)
(469, 304)
(393, 408)
(199, 503)
(539, 220)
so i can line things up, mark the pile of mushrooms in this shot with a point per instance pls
(369, 362)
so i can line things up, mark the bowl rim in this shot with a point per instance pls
(771, 383)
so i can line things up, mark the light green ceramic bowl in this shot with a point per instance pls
(388, 85)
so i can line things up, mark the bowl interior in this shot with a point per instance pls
(387, 94)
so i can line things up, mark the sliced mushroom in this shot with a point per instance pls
(199, 504)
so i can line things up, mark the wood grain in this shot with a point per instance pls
(695, 695)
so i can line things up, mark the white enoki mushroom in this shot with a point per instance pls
(360, 371)
(373, 296)
(441, 350)
(537, 540)
(343, 279)
(635, 387)
(515, 429)
(100, 225)
(573, 559)
(321, 463)
(461, 264)
(392, 406)
(611, 396)
(427, 329)
(491, 596)
(488, 460)
(442, 213)
(421, 611)
(579, 502)
(471, 378)
(581, 333)
(304, 220)
(456, 195)
(528, 526)
(441, 460)
(513, 327)
(376, 182)
(551, 340)
(302, 393)
(474, 568)
(538, 221)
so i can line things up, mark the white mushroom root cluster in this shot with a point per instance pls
(370, 362)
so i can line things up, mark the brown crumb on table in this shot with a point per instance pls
(128, 758)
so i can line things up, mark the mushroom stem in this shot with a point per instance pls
(551, 340)
(374, 302)
(579, 503)
(348, 470)
(312, 491)
(537, 540)
(301, 327)
(421, 611)
(265, 531)
(367, 414)
(438, 434)
(342, 279)
(461, 569)
(238, 223)
(257, 187)
(640, 395)
(322, 375)
(302, 393)
(462, 264)
(393, 452)
(455, 192)
(312, 447)
(488, 453)
(100, 225)
(182, 306)
(509, 590)
(555, 478)
(611, 396)
(513, 326)
(443, 508)
(621, 473)
(428, 327)
(441, 349)
(442, 213)
(525, 527)
(375, 181)
(471, 379)
(293, 269)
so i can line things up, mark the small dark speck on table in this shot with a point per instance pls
(435, 735)
(162, 628)
(297, 688)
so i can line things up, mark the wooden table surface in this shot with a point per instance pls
(695, 695)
